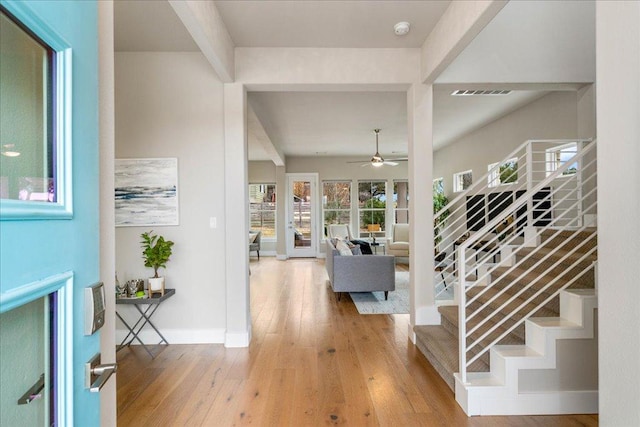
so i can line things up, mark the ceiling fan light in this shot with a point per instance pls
(377, 164)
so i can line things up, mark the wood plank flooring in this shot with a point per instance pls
(312, 361)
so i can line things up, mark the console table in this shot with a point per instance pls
(152, 304)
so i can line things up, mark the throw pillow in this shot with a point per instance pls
(252, 237)
(343, 248)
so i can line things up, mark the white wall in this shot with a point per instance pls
(618, 102)
(554, 116)
(171, 105)
(262, 172)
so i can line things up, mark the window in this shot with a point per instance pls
(372, 204)
(507, 173)
(336, 203)
(438, 186)
(401, 202)
(558, 156)
(262, 208)
(27, 115)
(462, 181)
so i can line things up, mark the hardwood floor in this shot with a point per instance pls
(312, 361)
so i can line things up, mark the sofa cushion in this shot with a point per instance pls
(399, 246)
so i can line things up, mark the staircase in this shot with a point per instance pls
(528, 341)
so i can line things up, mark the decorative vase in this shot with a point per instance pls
(156, 285)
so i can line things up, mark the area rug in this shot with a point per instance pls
(374, 302)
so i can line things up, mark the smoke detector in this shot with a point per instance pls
(401, 28)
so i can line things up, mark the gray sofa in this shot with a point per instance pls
(360, 273)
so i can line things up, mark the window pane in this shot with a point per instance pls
(372, 201)
(26, 125)
(262, 208)
(336, 195)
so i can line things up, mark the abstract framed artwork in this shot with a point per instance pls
(146, 192)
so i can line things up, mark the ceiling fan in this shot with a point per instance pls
(377, 160)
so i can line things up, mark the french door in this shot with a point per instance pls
(301, 227)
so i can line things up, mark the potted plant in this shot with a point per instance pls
(155, 252)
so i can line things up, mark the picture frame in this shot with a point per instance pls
(146, 192)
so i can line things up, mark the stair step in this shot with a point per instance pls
(486, 294)
(553, 254)
(441, 350)
(569, 238)
(450, 317)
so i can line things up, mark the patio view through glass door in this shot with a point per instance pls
(301, 218)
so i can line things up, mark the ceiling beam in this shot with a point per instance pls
(204, 23)
(256, 130)
(460, 23)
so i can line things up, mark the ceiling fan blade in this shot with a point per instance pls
(387, 162)
(399, 159)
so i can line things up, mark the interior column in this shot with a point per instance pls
(238, 328)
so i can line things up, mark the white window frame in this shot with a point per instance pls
(274, 210)
(553, 159)
(493, 178)
(349, 210)
(458, 182)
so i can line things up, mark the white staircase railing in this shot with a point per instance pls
(559, 201)
(535, 161)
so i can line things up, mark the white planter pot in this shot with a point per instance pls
(156, 285)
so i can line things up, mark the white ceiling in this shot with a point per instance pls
(333, 123)
(328, 23)
(336, 123)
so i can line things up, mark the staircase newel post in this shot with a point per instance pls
(462, 302)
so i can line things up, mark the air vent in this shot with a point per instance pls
(462, 92)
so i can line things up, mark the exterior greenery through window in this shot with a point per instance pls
(439, 202)
(372, 203)
(336, 203)
(506, 174)
(401, 202)
(462, 181)
(558, 156)
(262, 208)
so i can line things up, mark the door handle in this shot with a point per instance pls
(96, 375)
(35, 392)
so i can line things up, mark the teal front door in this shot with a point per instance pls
(49, 210)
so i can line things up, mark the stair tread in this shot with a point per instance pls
(450, 313)
(488, 293)
(551, 252)
(515, 351)
(554, 322)
(444, 347)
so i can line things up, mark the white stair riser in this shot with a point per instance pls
(497, 392)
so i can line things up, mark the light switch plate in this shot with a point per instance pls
(213, 222)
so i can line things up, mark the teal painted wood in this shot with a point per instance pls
(42, 247)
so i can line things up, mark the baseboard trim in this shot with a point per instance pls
(235, 340)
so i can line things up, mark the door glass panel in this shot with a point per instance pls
(24, 358)
(301, 213)
(26, 112)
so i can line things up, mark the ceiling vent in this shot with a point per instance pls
(462, 92)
